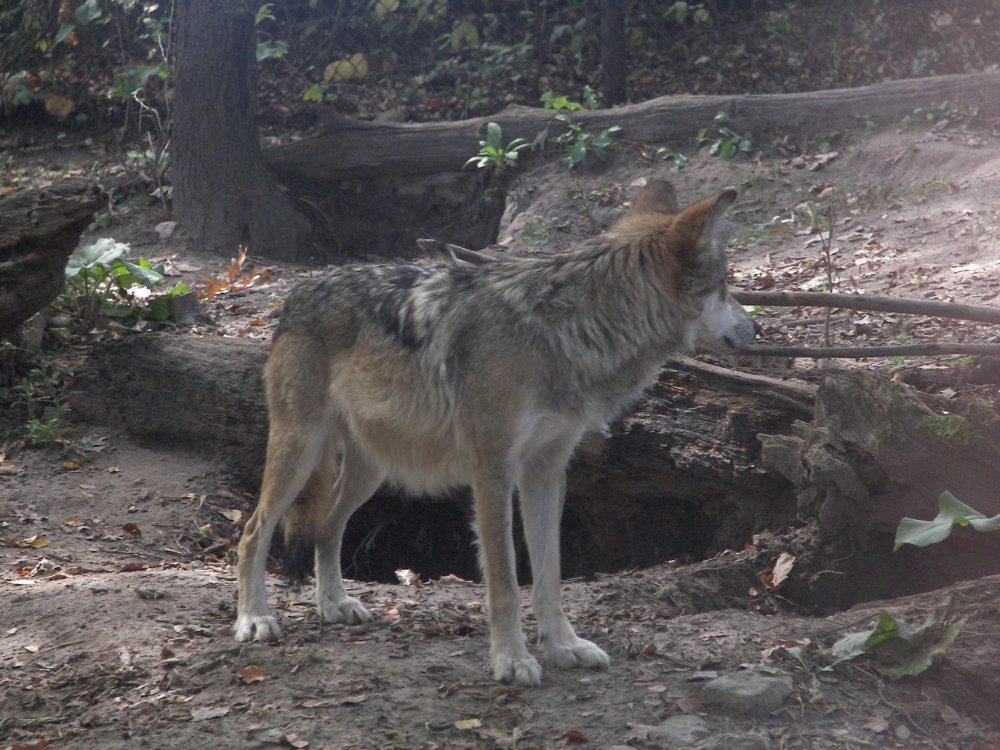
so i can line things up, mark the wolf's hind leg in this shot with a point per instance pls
(542, 491)
(356, 483)
(292, 454)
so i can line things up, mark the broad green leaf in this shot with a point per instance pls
(313, 94)
(158, 309)
(898, 648)
(352, 66)
(180, 288)
(104, 253)
(922, 657)
(382, 8)
(267, 49)
(142, 275)
(133, 79)
(87, 12)
(493, 135)
(463, 33)
(854, 645)
(951, 511)
(64, 31)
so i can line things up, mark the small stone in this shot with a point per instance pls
(165, 230)
(736, 742)
(748, 692)
(678, 731)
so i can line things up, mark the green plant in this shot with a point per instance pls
(676, 158)
(563, 102)
(493, 154)
(899, 649)
(681, 11)
(721, 139)
(102, 280)
(41, 394)
(941, 116)
(951, 511)
(576, 141)
(267, 47)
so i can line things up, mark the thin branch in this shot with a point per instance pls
(863, 352)
(980, 313)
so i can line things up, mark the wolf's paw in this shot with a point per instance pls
(523, 671)
(576, 653)
(347, 610)
(257, 628)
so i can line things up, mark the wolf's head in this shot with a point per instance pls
(689, 252)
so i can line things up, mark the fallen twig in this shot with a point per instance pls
(863, 352)
(933, 308)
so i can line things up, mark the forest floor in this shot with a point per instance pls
(116, 577)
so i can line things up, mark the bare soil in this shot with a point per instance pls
(116, 575)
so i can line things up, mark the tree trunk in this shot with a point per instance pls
(351, 149)
(223, 194)
(613, 51)
(39, 230)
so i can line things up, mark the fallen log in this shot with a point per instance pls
(351, 149)
(688, 452)
(708, 458)
(874, 453)
(39, 229)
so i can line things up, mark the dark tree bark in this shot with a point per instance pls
(223, 193)
(38, 231)
(613, 51)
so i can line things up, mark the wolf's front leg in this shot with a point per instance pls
(509, 657)
(253, 620)
(542, 492)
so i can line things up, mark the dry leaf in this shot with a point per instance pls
(468, 724)
(453, 580)
(32, 649)
(59, 106)
(35, 541)
(354, 699)
(574, 735)
(208, 712)
(295, 741)
(233, 515)
(251, 674)
(320, 702)
(782, 568)
(131, 529)
(408, 578)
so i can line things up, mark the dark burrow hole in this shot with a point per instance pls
(436, 538)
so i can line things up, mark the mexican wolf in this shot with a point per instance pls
(431, 377)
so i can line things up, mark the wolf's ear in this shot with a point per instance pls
(705, 218)
(658, 197)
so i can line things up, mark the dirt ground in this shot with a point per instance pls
(117, 591)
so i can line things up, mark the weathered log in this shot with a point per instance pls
(706, 460)
(354, 149)
(876, 453)
(39, 229)
(692, 442)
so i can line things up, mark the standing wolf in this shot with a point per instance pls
(484, 375)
